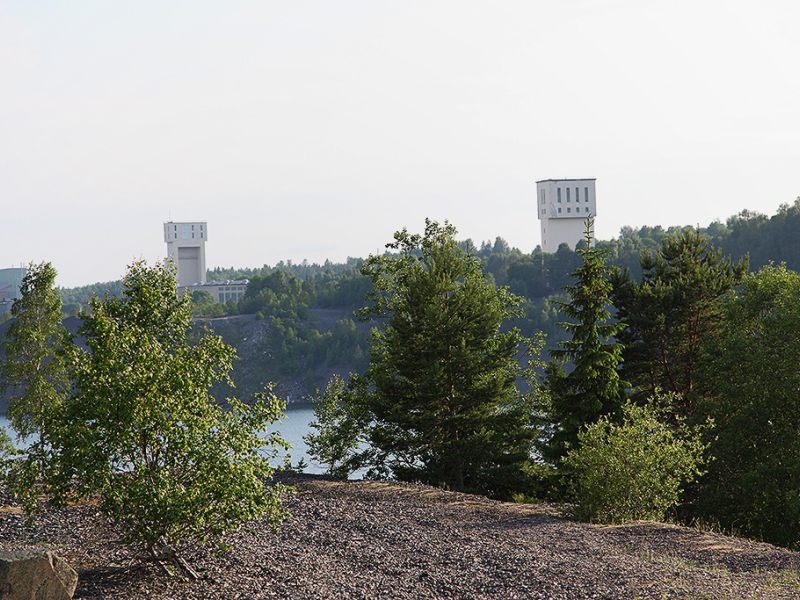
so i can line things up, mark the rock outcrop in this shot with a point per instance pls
(35, 575)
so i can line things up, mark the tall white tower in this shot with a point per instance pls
(562, 207)
(186, 249)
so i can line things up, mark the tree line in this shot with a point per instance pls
(289, 295)
(672, 391)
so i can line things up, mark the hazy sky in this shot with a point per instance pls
(315, 129)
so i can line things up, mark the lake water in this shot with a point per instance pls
(292, 428)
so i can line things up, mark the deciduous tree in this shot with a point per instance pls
(142, 432)
(750, 382)
(635, 469)
(34, 367)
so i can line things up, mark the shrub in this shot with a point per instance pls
(340, 424)
(634, 470)
(142, 433)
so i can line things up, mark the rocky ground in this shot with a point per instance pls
(385, 540)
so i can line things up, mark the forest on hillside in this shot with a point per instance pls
(670, 386)
(309, 310)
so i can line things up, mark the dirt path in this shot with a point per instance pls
(382, 540)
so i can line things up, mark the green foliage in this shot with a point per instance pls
(593, 387)
(763, 239)
(750, 384)
(294, 343)
(142, 432)
(634, 470)
(439, 398)
(34, 366)
(204, 305)
(77, 299)
(7, 454)
(341, 420)
(303, 347)
(671, 312)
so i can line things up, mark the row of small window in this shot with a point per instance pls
(227, 297)
(569, 209)
(176, 232)
(175, 235)
(569, 198)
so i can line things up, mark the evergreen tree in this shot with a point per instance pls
(445, 403)
(672, 312)
(439, 399)
(593, 387)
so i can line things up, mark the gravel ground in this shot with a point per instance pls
(387, 540)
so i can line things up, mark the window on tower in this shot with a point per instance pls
(586, 194)
(558, 193)
(567, 194)
(569, 210)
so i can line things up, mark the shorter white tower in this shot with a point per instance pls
(562, 208)
(186, 249)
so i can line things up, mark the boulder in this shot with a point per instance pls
(35, 575)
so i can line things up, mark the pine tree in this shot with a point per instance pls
(672, 312)
(439, 397)
(593, 387)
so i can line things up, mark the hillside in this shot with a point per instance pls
(378, 539)
(295, 326)
(252, 371)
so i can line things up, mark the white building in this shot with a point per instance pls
(10, 283)
(562, 208)
(221, 291)
(186, 249)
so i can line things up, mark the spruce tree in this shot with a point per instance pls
(593, 387)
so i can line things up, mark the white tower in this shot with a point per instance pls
(186, 249)
(562, 207)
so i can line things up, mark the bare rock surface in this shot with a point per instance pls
(35, 575)
(389, 540)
